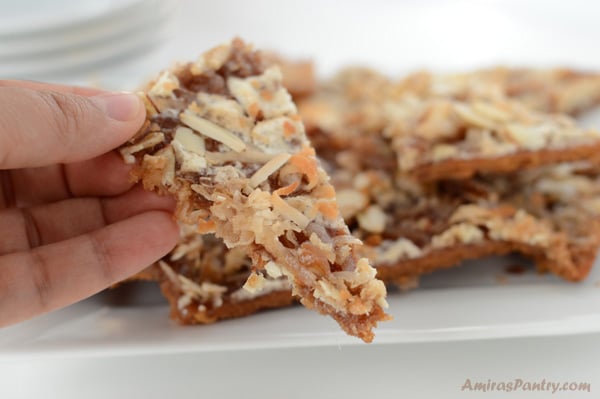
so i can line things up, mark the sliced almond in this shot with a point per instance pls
(212, 130)
(289, 211)
(372, 219)
(189, 161)
(268, 169)
(149, 141)
(488, 111)
(273, 269)
(164, 85)
(254, 283)
(189, 140)
(249, 155)
(466, 114)
(168, 178)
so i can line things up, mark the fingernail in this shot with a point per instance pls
(119, 106)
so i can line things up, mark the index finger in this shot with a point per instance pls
(41, 86)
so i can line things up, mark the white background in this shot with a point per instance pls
(393, 36)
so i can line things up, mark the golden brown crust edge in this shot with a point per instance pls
(582, 258)
(228, 310)
(466, 168)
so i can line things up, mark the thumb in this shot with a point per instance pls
(40, 127)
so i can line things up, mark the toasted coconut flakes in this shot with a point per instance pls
(248, 91)
(168, 177)
(328, 293)
(165, 84)
(462, 233)
(254, 283)
(204, 292)
(211, 60)
(215, 132)
(344, 241)
(327, 248)
(269, 286)
(268, 169)
(471, 213)
(273, 269)
(399, 249)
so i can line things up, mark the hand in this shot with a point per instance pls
(71, 223)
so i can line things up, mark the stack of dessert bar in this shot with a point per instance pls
(428, 171)
(433, 170)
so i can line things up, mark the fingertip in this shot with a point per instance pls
(140, 241)
(162, 232)
(125, 110)
(106, 175)
(121, 107)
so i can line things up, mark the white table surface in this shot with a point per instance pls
(399, 371)
(395, 37)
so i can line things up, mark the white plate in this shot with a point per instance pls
(31, 17)
(473, 302)
(77, 58)
(477, 301)
(55, 44)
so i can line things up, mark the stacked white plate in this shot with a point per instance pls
(45, 38)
